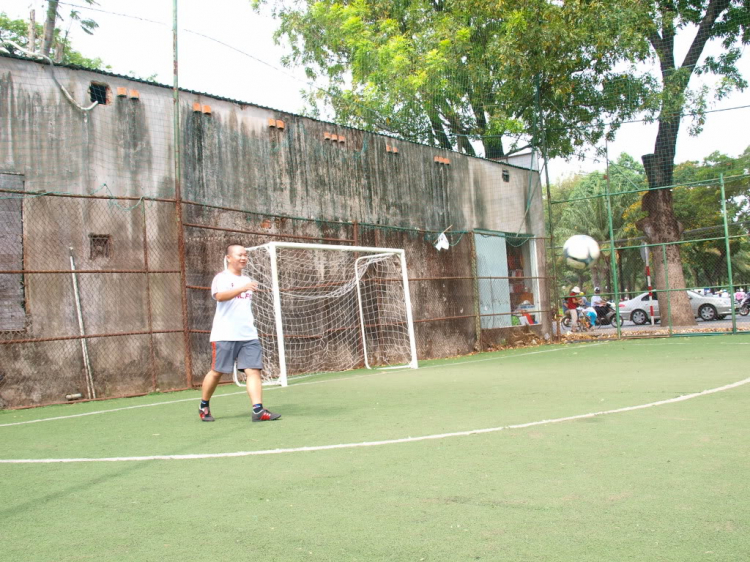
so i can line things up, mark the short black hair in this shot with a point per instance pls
(231, 245)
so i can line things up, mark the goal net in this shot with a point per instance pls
(321, 308)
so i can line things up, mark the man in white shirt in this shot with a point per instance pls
(600, 305)
(233, 335)
(597, 299)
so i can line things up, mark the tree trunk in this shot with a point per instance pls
(49, 27)
(438, 130)
(32, 32)
(662, 227)
(464, 145)
(493, 147)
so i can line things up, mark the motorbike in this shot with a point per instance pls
(609, 318)
(589, 317)
(744, 309)
(584, 320)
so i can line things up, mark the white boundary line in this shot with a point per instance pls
(379, 443)
(113, 410)
(341, 379)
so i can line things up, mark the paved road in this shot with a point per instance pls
(743, 323)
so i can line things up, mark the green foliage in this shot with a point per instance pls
(464, 73)
(17, 31)
(698, 208)
(461, 73)
(588, 213)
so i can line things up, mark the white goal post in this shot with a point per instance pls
(324, 307)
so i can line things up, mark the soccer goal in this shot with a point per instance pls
(322, 308)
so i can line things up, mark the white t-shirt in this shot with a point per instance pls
(233, 320)
(596, 300)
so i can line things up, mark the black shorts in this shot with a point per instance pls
(247, 354)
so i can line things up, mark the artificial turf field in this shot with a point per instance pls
(666, 482)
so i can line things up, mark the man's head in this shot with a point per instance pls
(236, 257)
(597, 290)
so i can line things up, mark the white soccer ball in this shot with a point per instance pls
(580, 251)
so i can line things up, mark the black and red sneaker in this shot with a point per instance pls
(205, 414)
(265, 415)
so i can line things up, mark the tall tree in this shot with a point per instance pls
(461, 74)
(724, 20)
(468, 73)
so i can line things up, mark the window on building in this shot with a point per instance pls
(12, 293)
(99, 93)
(506, 175)
(100, 246)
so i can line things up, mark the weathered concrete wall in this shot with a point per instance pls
(230, 158)
(234, 159)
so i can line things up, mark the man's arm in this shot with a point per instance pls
(229, 294)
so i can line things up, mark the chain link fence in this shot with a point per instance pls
(86, 311)
(692, 285)
(92, 289)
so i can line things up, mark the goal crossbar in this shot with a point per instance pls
(329, 247)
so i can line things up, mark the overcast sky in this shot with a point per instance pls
(226, 49)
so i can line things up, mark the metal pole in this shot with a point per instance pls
(729, 256)
(666, 285)
(409, 318)
(149, 315)
(363, 334)
(554, 305)
(84, 345)
(277, 313)
(612, 254)
(647, 255)
(178, 203)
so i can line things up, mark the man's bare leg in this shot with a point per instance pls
(210, 382)
(254, 386)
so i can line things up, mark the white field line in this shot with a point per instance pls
(115, 410)
(165, 403)
(379, 443)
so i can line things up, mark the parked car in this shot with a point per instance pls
(705, 307)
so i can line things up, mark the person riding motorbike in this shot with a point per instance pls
(603, 308)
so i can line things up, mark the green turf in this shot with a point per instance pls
(664, 483)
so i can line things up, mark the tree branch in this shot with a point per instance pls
(714, 10)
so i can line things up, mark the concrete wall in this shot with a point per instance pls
(231, 158)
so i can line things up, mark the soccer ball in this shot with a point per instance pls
(580, 251)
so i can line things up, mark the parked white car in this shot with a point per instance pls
(705, 307)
